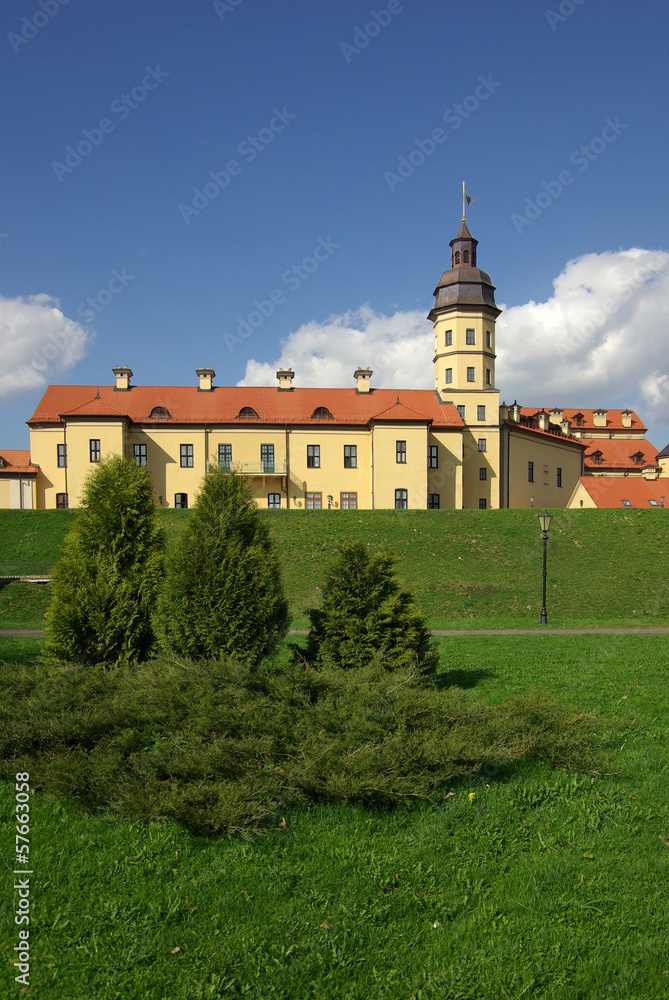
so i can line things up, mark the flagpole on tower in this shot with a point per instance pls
(463, 201)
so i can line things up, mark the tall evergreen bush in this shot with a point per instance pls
(223, 594)
(366, 616)
(105, 586)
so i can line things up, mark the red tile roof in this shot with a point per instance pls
(17, 460)
(190, 405)
(610, 491)
(614, 418)
(617, 453)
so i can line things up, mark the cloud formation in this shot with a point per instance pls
(37, 342)
(602, 336)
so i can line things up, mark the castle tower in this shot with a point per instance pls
(464, 315)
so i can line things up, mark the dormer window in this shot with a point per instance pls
(159, 412)
(247, 413)
(579, 419)
(597, 457)
(638, 458)
(321, 413)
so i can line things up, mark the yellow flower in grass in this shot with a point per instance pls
(471, 797)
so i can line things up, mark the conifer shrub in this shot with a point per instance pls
(223, 593)
(365, 616)
(105, 586)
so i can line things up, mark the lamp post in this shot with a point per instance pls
(544, 523)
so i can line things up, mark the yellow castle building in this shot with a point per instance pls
(454, 446)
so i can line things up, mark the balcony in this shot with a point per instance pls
(256, 468)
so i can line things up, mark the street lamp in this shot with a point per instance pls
(544, 523)
(330, 499)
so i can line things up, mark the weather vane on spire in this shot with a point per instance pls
(466, 200)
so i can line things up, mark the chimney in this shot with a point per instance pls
(205, 376)
(514, 411)
(565, 426)
(599, 418)
(503, 412)
(650, 472)
(123, 376)
(542, 420)
(362, 378)
(627, 418)
(285, 377)
(556, 414)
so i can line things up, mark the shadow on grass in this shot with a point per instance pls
(22, 650)
(462, 678)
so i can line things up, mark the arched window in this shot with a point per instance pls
(457, 257)
(465, 256)
(321, 413)
(247, 413)
(159, 411)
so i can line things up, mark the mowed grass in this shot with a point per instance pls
(467, 569)
(547, 884)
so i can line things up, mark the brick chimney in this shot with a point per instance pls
(205, 376)
(123, 376)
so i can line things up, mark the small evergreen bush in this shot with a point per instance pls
(105, 586)
(223, 594)
(365, 616)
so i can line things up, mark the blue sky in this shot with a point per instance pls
(124, 249)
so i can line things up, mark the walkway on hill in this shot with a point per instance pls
(20, 633)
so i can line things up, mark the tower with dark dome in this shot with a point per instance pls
(464, 315)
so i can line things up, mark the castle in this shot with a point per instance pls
(454, 446)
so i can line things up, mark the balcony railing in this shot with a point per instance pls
(256, 468)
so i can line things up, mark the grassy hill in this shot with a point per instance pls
(468, 569)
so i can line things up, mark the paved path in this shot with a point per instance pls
(19, 633)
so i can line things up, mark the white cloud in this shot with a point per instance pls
(37, 342)
(603, 336)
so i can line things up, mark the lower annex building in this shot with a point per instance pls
(450, 447)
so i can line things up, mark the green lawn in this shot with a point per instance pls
(467, 569)
(548, 884)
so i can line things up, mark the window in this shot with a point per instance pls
(401, 452)
(94, 449)
(61, 500)
(62, 456)
(274, 501)
(470, 337)
(181, 500)
(449, 374)
(461, 411)
(483, 474)
(449, 338)
(401, 499)
(597, 457)
(480, 412)
(465, 256)
(488, 338)
(247, 413)
(139, 454)
(314, 501)
(457, 257)
(483, 504)
(225, 456)
(159, 411)
(321, 413)
(313, 456)
(653, 503)
(482, 444)
(348, 501)
(626, 503)
(433, 501)
(488, 376)
(638, 458)
(186, 456)
(432, 456)
(471, 375)
(559, 476)
(530, 472)
(267, 457)
(350, 456)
